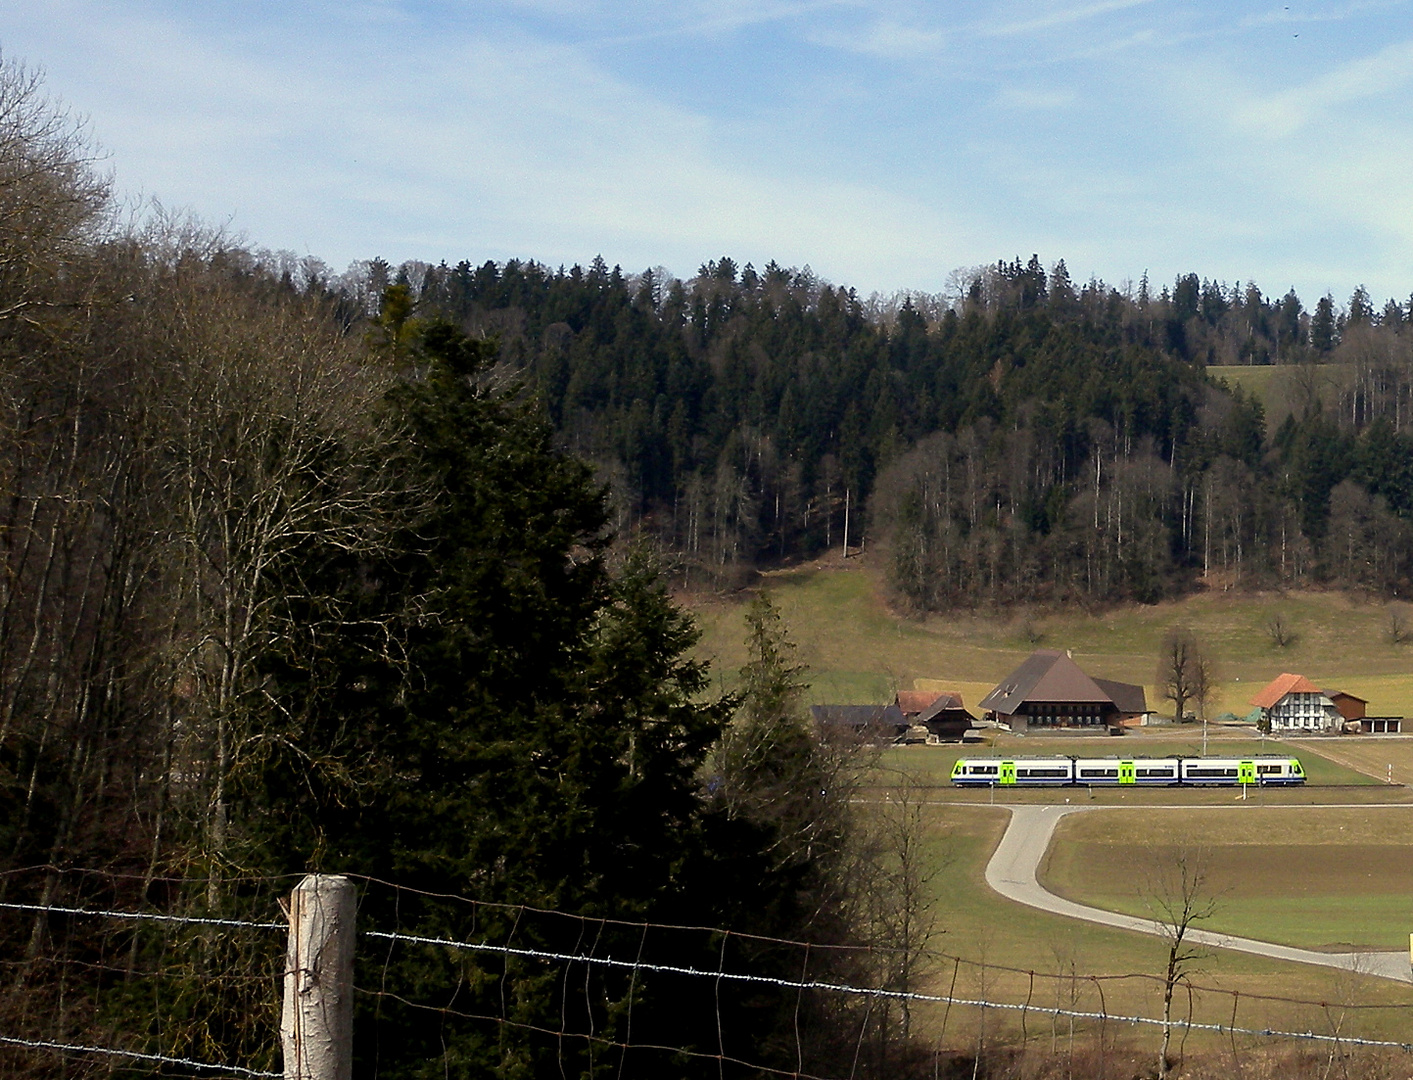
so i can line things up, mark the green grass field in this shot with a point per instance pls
(1014, 953)
(860, 651)
(1317, 878)
(1286, 388)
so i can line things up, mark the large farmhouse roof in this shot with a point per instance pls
(1127, 697)
(1046, 675)
(1279, 687)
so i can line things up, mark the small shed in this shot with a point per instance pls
(1350, 706)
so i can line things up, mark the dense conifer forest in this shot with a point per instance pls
(1028, 438)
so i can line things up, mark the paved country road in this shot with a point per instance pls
(1011, 872)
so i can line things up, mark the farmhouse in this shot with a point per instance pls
(1050, 692)
(1292, 703)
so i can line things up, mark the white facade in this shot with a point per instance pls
(1304, 712)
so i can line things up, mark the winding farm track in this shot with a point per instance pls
(1011, 872)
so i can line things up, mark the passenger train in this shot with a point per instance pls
(1261, 770)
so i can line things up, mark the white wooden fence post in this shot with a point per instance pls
(316, 1027)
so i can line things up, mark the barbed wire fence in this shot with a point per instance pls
(145, 983)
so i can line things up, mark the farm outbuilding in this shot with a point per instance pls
(871, 723)
(946, 718)
(1350, 706)
(1049, 692)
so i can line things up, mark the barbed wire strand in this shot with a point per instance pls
(161, 1059)
(143, 916)
(1103, 1016)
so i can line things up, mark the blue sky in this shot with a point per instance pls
(883, 143)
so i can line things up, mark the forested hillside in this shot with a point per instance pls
(1027, 439)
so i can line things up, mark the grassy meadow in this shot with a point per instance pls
(1004, 951)
(1287, 388)
(859, 650)
(1337, 879)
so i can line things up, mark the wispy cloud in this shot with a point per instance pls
(885, 39)
(1285, 113)
(1062, 17)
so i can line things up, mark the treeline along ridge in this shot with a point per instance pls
(1027, 439)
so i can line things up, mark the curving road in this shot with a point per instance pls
(1011, 872)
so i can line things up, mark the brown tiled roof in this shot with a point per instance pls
(1046, 675)
(916, 701)
(1127, 697)
(1278, 688)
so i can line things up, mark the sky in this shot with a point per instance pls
(883, 143)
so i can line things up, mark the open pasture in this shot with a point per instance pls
(1004, 951)
(859, 650)
(1283, 389)
(1376, 757)
(1326, 878)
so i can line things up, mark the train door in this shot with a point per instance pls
(1126, 773)
(1008, 773)
(1246, 772)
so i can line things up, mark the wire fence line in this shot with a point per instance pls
(721, 976)
(144, 916)
(873, 992)
(135, 1055)
(589, 958)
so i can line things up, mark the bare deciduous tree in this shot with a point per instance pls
(1177, 896)
(267, 443)
(1279, 631)
(1184, 672)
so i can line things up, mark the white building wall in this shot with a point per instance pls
(1304, 712)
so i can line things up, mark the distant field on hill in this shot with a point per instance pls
(1319, 878)
(860, 651)
(1285, 388)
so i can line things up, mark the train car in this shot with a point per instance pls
(1266, 770)
(1142, 772)
(1262, 770)
(1013, 772)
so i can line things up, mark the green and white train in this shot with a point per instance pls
(1263, 770)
